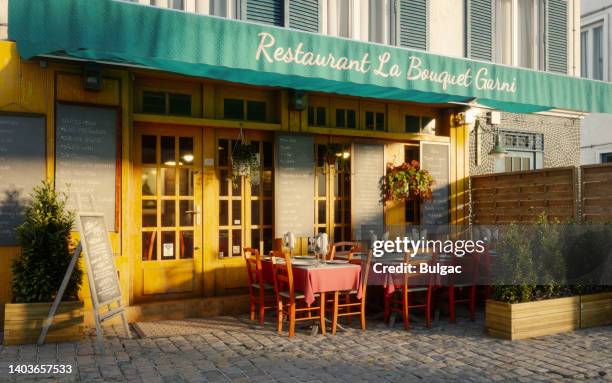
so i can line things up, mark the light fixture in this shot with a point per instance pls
(188, 157)
(92, 78)
(170, 163)
(346, 154)
(498, 151)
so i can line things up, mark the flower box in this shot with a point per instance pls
(23, 322)
(595, 310)
(532, 319)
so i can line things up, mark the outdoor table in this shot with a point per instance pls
(320, 278)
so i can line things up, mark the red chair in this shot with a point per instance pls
(291, 303)
(462, 287)
(344, 249)
(350, 308)
(261, 294)
(405, 298)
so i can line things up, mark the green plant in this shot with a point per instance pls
(514, 267)
(46, 247)
(547, 250)
(244, 161)
(406, 180)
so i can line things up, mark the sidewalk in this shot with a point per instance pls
(208, 350)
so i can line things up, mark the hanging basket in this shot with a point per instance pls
(244, 160)
(405, 181)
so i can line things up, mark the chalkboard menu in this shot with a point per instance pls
(86, 158)
(435, 158)
(99, 258)
(22, 166)
(368, 169)
(294, 185)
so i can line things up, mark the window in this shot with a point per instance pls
(525, 151)
(374, 120)
(598, 53)
(166, 103)
(519, 33)
(266, 11)
(606, 158)
(246, 210)
(378, 30)
(238, 109)
(343, 18)
(584, 35)
(420, 124)
(346, 118)
(412, 213)
(317, 116)
(333, 191)
(593, 51)
(177, 4)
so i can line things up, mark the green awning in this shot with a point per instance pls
(224, 49)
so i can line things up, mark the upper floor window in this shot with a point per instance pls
(593, 49)
(378, 21)
(344, 17)
(519, 26)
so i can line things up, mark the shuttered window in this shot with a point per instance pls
(480, 29)
(412, 23)
(266, 11)
(304, 15)
(556, 35)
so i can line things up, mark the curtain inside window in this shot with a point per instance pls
(584, 72)
(378, 9)
(343, 12)
(504, 31)
(218, 8)
(526, 33)
(598, 53)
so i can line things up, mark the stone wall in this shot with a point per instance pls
(561, 140)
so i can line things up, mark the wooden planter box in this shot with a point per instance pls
(595, 310)
(23, 322)
(532, 319)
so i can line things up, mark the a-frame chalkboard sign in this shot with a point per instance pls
(101, 274)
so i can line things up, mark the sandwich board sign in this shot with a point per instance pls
(101, 275)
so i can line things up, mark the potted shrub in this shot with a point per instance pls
(405, 181)
(536, 294)
(244, 161)
(46, 251)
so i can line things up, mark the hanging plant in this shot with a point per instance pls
(405, 181)
(244, 160)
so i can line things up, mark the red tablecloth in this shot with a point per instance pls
(320, 279)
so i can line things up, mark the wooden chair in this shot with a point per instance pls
(337, 249)
(462, 287)
(288, 299)
(261, 294)
(353, 308)
(413, 284)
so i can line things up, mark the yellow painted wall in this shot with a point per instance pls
(29, 87)
(34, 87)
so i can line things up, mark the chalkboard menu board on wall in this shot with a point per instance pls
(22, 166)
(86, 158)
(99, 258)
(368, 169)
(435, 158)
(294, 185)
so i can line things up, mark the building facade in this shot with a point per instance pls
(596, 53)
(140, 120)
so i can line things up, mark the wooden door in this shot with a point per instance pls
(168, 179)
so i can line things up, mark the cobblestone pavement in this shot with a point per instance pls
(447, 352)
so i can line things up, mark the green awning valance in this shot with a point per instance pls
(197, 45)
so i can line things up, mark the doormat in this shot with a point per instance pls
(168, 328)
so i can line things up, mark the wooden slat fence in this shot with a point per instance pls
(520, 197)
(596, 193)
